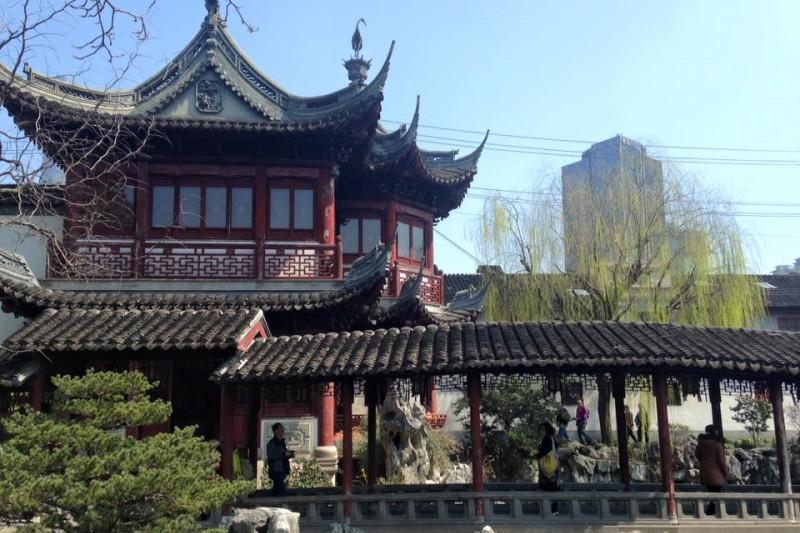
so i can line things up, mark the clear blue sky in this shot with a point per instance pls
(711, 73)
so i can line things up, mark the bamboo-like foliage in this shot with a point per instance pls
(624, 249)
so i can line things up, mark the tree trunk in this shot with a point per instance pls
(604, 408)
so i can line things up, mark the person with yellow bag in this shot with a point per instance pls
(548, 462)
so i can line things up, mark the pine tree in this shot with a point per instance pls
(73, 470)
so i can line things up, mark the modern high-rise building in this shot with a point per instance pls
(611, 178)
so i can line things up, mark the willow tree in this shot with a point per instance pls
(631, 246)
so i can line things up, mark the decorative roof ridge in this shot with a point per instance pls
(213, 41)
(395, 144)
(468, 161)
(470, 300)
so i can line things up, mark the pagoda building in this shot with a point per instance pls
(209, 208)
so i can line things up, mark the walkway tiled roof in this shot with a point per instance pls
(512, 347)
(131, 329)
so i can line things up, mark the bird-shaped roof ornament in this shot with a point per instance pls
(357, 42)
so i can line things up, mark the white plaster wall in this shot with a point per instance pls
(692, 413)
(33, 248)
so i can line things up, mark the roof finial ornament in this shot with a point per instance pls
(212, 6)
(357, 42)
(357, 66)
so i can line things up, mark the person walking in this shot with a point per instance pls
(563, 418)
(547, 457)
(629, 425)
(581, 419)
(710, 455)
(278, 460)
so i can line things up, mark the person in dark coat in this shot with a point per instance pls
(710, 454)
(278, 460)
(547, 457)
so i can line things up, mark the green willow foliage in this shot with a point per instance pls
(618, 252)
(624, 249)
(74, 471)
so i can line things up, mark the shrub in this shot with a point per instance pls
(306, 473)
(510, 434)
(754, 413)
(679, 434)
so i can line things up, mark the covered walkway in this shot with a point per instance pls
(472, 357)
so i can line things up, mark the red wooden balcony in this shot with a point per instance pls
(432, 290)
(111, 259)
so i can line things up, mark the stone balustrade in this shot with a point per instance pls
(520, 507)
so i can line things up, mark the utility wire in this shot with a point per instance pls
(578, 141)
(458, 246)
(538, 150)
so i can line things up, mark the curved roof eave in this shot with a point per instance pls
(394, 144)
(208, 48)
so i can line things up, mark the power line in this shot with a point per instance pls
(538, 150)
(556, 195)
(454, 243)
(579, 141)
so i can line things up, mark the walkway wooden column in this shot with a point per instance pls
(37, 388)
(618, 388)
(776, 396)
(474, 398)
(347, 444)
(371, 397)
(715, 397)
(664, 444)
(327, 414)
(226, 402)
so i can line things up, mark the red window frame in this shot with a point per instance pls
(291, 233)
(360, 216)
(412, 222)
(203, 231)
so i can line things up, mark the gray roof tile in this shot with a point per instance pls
(511, 347)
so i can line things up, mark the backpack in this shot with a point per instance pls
(548, 465)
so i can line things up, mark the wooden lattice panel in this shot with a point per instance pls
(299, 262)
(96, 260)
(200, 262)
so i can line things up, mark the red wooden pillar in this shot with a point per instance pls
(142, 217)
(260, 222)
(776, 396)
(347, 444)
(474, 398)
(37, 388)
(664, 445)
(434, 396)
(327, 413)
(227, 399)
(327, 205)
(715, 397)
(372, 434)
(618, 389)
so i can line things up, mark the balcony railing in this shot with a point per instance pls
(534, 507)
(432, 290)
(167, 259)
